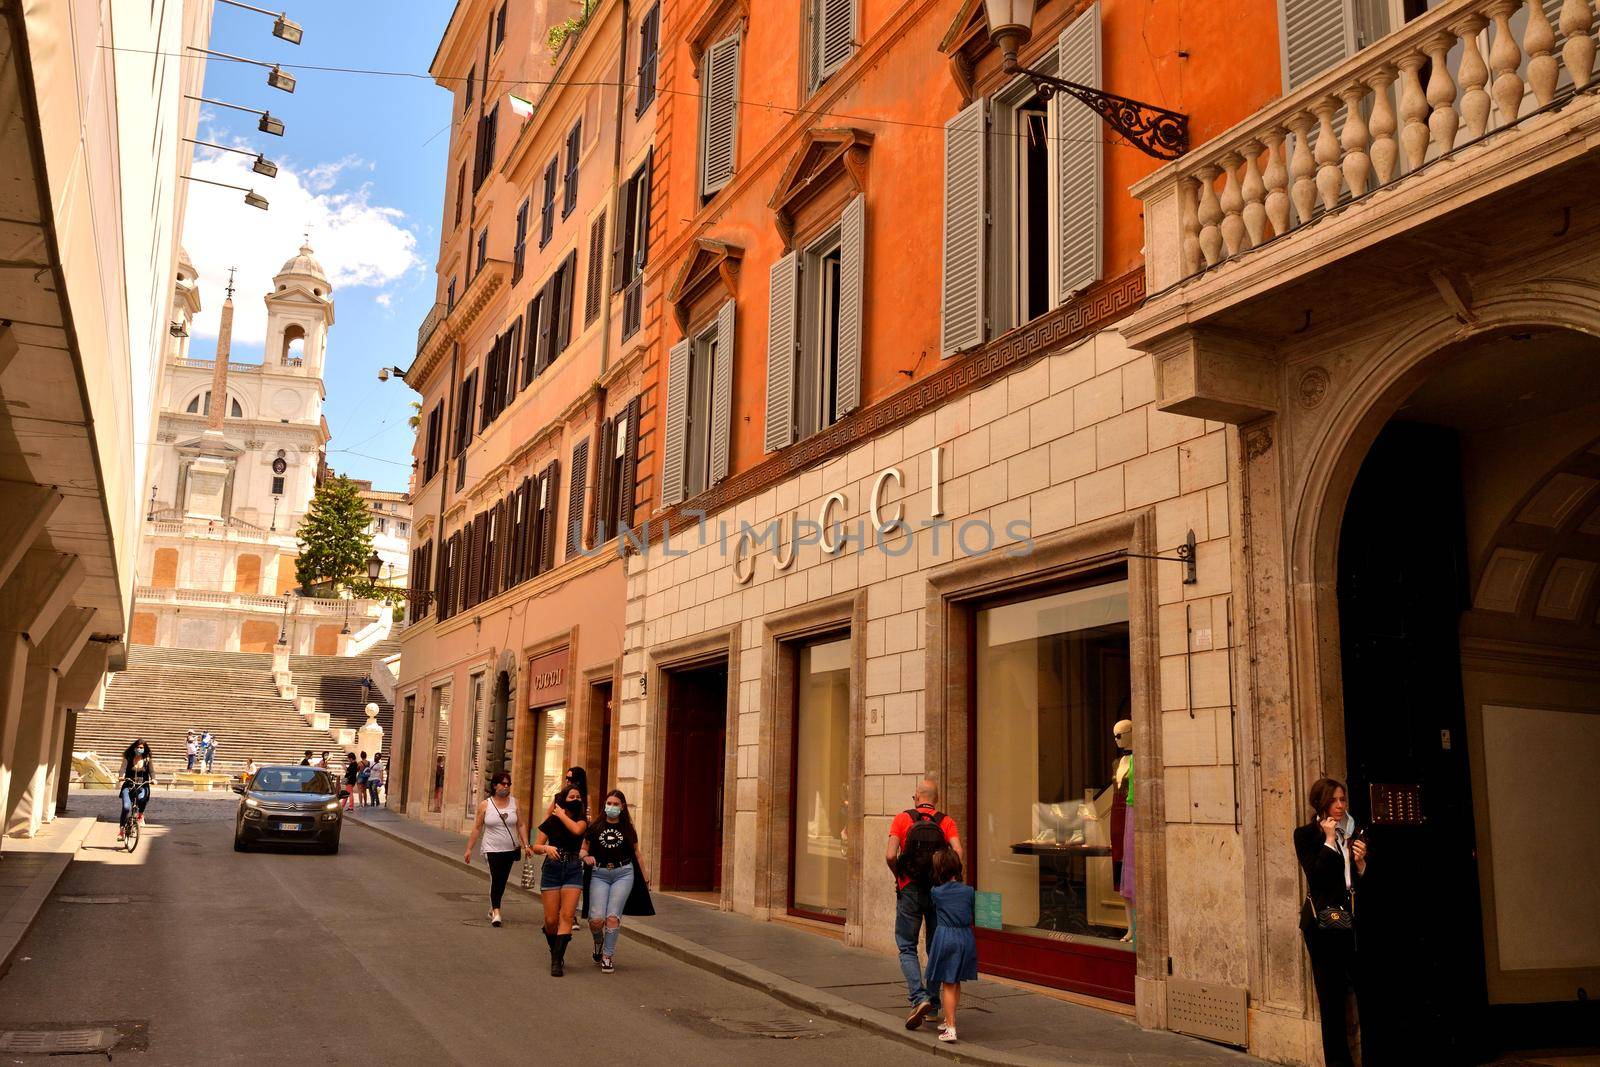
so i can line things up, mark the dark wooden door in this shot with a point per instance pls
(691, 833)
(1402, 588)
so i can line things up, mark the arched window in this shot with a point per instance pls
(201, 405)
(294, 345)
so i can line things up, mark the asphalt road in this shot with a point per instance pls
(378, 955)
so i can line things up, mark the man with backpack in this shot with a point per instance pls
(914, 836)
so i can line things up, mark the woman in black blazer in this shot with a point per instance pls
(1333, 856)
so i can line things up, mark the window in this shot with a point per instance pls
(450, 296)
(201, 405)
(461, 190)
(577, 496)
(821, 773)
(482, 256)
(619, 451)
(488, 132)
(401, 527)
(814, 332)
(569, 193)
(431, 447)
(594, 284)
(832, 33)
(277, 485)
(547, 212)
(466, 100)
(519, 252)
(649, 48)
(633, 245)
(719, 114)
(1023, 223)
(1051, 679)
(500, 372)
(550, 319)
(464, 412)
(383, 526)
(699, 398)
(530, 359)
(500, 27)
(543, 549)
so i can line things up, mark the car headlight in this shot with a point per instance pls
(252, 813)
(332, 805)
(251, 802)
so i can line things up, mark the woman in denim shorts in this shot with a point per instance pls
(561, 876)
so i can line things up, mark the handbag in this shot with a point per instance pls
(1332, 917)
(638, 902)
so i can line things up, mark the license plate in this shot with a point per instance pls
(289, 826)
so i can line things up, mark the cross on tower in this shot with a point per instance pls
(230, 281)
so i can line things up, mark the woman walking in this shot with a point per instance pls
(1333, 855)
(611, 847)
(352, 771)
(561, 876)
(375, 781)
(953, 952)
(505, 837)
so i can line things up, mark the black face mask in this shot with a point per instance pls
(574, 809)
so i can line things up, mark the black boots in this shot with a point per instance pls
(558, 954)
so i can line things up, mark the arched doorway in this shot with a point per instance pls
(1459, 690)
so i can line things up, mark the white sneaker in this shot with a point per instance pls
(947, 1034)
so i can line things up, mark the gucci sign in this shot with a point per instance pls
(547, 679)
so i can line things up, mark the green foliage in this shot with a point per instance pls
(334, 543)
(562, 30)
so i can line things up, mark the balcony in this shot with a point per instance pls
(430, 322)
(1449, 138)
(443, 323)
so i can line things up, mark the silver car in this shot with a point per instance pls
(286, 804)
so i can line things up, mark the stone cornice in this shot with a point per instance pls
(1092, 310)
(623, 369)
(480, 290)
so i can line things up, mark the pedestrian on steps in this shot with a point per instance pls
(561, 876)
(308, 761)
(211, 750)
(953, 953)
(505, 837)
(191, 748)
(352, 771)
(611, 848)
(206, 742)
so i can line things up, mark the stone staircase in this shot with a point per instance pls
(166, 692)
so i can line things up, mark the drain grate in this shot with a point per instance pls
(781, 1029)
(84, 898)
(56, 1042)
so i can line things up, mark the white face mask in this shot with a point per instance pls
(613, 811)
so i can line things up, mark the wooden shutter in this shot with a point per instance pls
(1316, 35)
(531, 341)
(547, 532)
(852, 309)
(833, 31)
(513, 350)
(600, 525)
(1082, 156)
(963, 288)
(535, 549)
(480, 557)
(546, 305)
(569, 279)
(575, 497)
(676, 416)
(642, 226)
(649, 42)
(502, 543)
(721, 397)
(630, 464)
(596, 278)
(783, 348)
(719, 114)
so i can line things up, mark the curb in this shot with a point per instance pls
(20, 917)
(775, 985)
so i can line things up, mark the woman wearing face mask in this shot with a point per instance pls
(505, 837)
(611, 847)
(1333, 855)
(561, 876)
(138, 771)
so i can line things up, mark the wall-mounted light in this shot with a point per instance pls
(251, 197)
(283, 28)
(268, 124)
(385, 373)
(255, 199)
(277, 77)
(178, 329)
(261, 164)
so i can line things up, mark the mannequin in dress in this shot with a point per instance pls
(1122, 856)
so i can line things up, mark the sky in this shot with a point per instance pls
(361, 168)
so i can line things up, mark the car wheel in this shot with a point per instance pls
(239, 845)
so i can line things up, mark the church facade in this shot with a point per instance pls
(233, 469)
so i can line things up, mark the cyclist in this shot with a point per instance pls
(138, 771)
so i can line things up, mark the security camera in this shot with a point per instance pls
(383, 374)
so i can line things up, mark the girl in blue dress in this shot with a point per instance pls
(953, 954)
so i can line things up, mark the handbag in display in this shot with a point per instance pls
(1332, 917)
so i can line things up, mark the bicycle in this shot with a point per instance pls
(128, 832)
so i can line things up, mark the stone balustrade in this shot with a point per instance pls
(208, 364)
(1441, 83)
(299, 606)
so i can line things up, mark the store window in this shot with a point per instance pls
(550, 747)
(1052, 680)
(821, 779)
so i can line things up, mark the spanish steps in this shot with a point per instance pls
(166, 692)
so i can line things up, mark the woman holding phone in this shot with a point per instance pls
(1333, 855)
(561, 876)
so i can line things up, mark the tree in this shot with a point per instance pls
(334, 542)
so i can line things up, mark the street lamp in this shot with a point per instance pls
(283, 27)
(261, 165)
(251, 197)
(267, 124)
(374, 566)
(277, 77)
(1155, 131)
(283, 630)
(385, 373)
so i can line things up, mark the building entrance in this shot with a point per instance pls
(692, 789)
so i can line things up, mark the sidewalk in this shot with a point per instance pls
(1000, 1023)
(30, 867)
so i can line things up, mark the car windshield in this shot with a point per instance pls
(291, 780)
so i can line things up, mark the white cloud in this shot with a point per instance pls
(358, 242)
(384, 300)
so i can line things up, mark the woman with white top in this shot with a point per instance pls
(505, 837)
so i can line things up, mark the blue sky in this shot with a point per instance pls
(362, 167)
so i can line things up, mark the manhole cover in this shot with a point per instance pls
(53, 1042)
(776, 1028)
(80, 898)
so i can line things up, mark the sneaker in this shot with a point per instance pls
(494, 920)
(122, 835)
(948, 1034)
(918, 1013)
(606, 966)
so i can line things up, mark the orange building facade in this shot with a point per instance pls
(530, 373)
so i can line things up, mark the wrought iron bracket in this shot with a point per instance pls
(1155, 131)
(1183, 554)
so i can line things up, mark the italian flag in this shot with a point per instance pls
(520, 107)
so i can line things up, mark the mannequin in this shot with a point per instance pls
(1122, 853)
